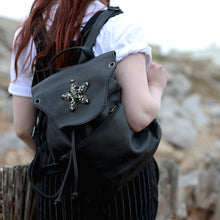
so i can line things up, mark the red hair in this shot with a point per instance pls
(65, 26)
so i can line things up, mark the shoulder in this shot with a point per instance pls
(124, 35)
(120, 23)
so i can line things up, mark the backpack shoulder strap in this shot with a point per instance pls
(94, 25)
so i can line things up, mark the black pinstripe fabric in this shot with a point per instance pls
(138, 200)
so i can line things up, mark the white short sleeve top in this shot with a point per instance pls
(120, 34)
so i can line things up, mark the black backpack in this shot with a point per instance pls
(87, 133)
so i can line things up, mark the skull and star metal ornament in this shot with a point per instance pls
(76, 94)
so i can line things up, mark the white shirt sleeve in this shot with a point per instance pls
(21, 86)
(124, 36)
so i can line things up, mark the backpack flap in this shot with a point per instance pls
(77, 94)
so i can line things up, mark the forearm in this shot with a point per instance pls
(25, 116)
(27, 139)
(150, 109)
(156, 94)
(140, 97)
(140, 116)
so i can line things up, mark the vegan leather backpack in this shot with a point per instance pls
(87, 132)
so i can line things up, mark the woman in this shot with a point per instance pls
(142, 84)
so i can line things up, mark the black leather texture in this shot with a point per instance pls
(97, 72)
(94, 139)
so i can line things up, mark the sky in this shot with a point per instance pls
(172, 24)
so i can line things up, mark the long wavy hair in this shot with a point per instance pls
(65, 26)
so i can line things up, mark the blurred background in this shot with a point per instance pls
(185, 38)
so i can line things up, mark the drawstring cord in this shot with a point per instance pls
(75, 173)
(58, 199)
(54, 168)
(75, 168)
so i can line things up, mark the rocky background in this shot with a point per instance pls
(12, 150)
(190, 113)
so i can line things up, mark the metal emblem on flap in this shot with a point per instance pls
(76, 94)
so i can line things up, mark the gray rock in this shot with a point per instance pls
(168, 189)
(170, 108)
(189, 179)
(213, 108)
(177, 127)
(6, 105)
(217, 143)
(207, 191)
(201, 190)
(193, 105)
(178, 86)
(10, 140)
(3, 94)
(178, 131)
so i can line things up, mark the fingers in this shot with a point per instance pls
(157, 75)
(154, 65)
